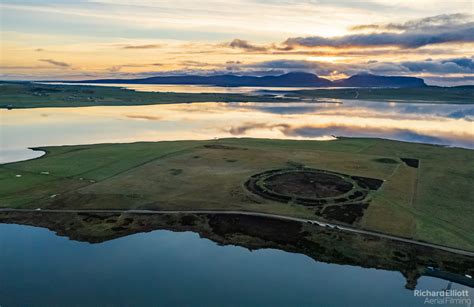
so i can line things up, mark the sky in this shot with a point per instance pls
(89, 39)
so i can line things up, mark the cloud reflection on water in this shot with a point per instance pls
(437, 124)
(331, 131)
(365, 108)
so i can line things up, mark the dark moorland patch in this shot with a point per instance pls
(348, 214)
(274, 230)
(311, 187)
(175, 171)
(188, 220)
(368, 183)
(308, 184)
(386, 161)
(411, 162)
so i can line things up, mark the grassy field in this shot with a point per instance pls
(34, 95)
(432, 203)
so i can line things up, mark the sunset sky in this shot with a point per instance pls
(55, 39)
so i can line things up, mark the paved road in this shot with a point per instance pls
(268, 215)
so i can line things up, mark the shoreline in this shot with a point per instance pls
(21, 95)
(333, 226)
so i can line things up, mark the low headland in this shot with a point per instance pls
(19, 95)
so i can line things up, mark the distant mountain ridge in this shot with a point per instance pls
(293, 79)
(368, 80)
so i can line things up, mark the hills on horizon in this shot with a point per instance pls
(293, 79)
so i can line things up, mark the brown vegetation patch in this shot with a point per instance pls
(274, 230)
(348, 214)
(311, 187)
(386, 161)
(368, 183)
(411, 162)
(308, 184)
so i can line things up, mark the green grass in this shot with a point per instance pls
(432, 203)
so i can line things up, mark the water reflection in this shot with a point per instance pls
(254, 232)
(373, 108)
(450, 125)
(180, 269)
(194, 88)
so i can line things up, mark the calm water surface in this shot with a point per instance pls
(450, 125)
(38, 268)
(190, 88)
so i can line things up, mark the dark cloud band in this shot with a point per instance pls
(407, 39)
(55, 63)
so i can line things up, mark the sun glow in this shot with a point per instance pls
(323, 58)
(76, 40)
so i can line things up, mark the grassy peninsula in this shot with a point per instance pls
(425, 191)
